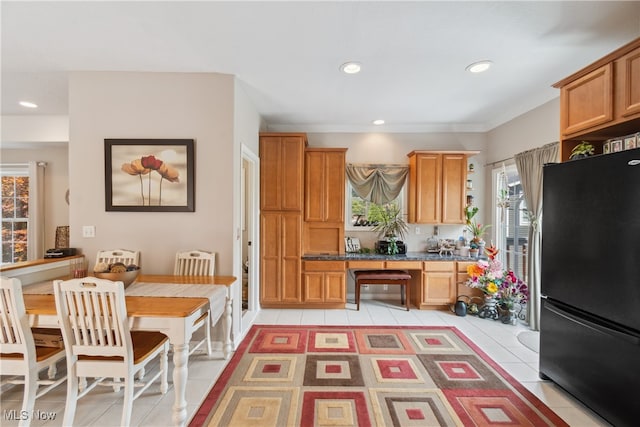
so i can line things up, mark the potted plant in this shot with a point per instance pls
(391, 226)
(477, 232)
(584, 149)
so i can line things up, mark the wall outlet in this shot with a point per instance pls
(385, 287)
(418, 230)
(88, 231)
(365, 287)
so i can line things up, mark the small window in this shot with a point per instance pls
(15, 214)
(363, 214)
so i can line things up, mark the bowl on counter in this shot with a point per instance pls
(126, 277)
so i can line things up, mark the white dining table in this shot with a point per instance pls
(169, 309)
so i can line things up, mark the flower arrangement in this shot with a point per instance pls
(496, 282)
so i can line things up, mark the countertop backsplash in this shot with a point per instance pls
(415, 242)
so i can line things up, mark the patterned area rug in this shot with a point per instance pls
(365, 376)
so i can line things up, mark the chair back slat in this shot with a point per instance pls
(124, 256)
(195, 263)
(93, 317)
(15, 333)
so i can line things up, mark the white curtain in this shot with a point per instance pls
(529, 164)
(379, 184)
(35, 229)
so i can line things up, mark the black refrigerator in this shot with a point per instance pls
(590, 283)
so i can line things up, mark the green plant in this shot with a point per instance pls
(391, 223)
(584, 149)
(470, 212)
(477, 231)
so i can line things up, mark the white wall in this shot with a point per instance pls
(153, 105)
(22, 129)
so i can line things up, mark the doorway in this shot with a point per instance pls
(250, 185)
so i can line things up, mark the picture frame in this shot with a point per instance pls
(616, 145)
(149, 175)
(630, 142)
(606, 147)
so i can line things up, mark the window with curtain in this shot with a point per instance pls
(370, 188)
(15, 213)
(364, 213)
(512, 220)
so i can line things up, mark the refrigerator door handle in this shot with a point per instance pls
(595, 326)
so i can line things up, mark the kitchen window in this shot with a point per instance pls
(15, 213)
(362, 214)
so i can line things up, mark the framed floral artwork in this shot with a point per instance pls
(149, 175)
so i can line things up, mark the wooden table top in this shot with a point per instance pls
(186, 280)
(136, 306)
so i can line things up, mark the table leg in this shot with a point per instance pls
(180, 373)
(228, 346)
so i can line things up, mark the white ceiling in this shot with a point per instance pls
(287, 55)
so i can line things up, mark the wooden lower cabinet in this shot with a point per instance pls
(437, 287)
(281, 234)
(324, 284)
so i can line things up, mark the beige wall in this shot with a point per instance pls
(533, 129)
(56, 182)
(153, 105)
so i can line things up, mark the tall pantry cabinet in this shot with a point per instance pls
(281, 206)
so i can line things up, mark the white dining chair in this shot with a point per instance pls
(93, 317)
(197, 263)
(124, 256)
(20, 359)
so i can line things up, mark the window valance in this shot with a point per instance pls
(379, 184)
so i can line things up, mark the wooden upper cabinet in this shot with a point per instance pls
(425, 187)
(601, 101)
(629, 87)
(587, 101)
(454, 180)
(437, 187)
(281, 171)
(324, 184)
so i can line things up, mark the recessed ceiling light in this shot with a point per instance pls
(351, 67)
(479, 67)
(28, 104)
(378, 122)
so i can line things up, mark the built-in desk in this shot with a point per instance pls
(436, 280)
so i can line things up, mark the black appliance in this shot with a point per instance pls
(590, 282)
(59, 252)
(382, 247)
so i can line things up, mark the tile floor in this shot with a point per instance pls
(102, 407)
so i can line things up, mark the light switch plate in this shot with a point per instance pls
(88, 231)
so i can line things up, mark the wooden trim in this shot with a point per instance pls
(36, 262)
(466, 153)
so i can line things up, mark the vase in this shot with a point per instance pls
(490, 308)
(473, 253)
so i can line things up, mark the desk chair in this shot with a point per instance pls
(93, 316)
(19, 355)
(197, 263)
(384, 277)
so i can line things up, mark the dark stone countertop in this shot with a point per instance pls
(409, 256)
